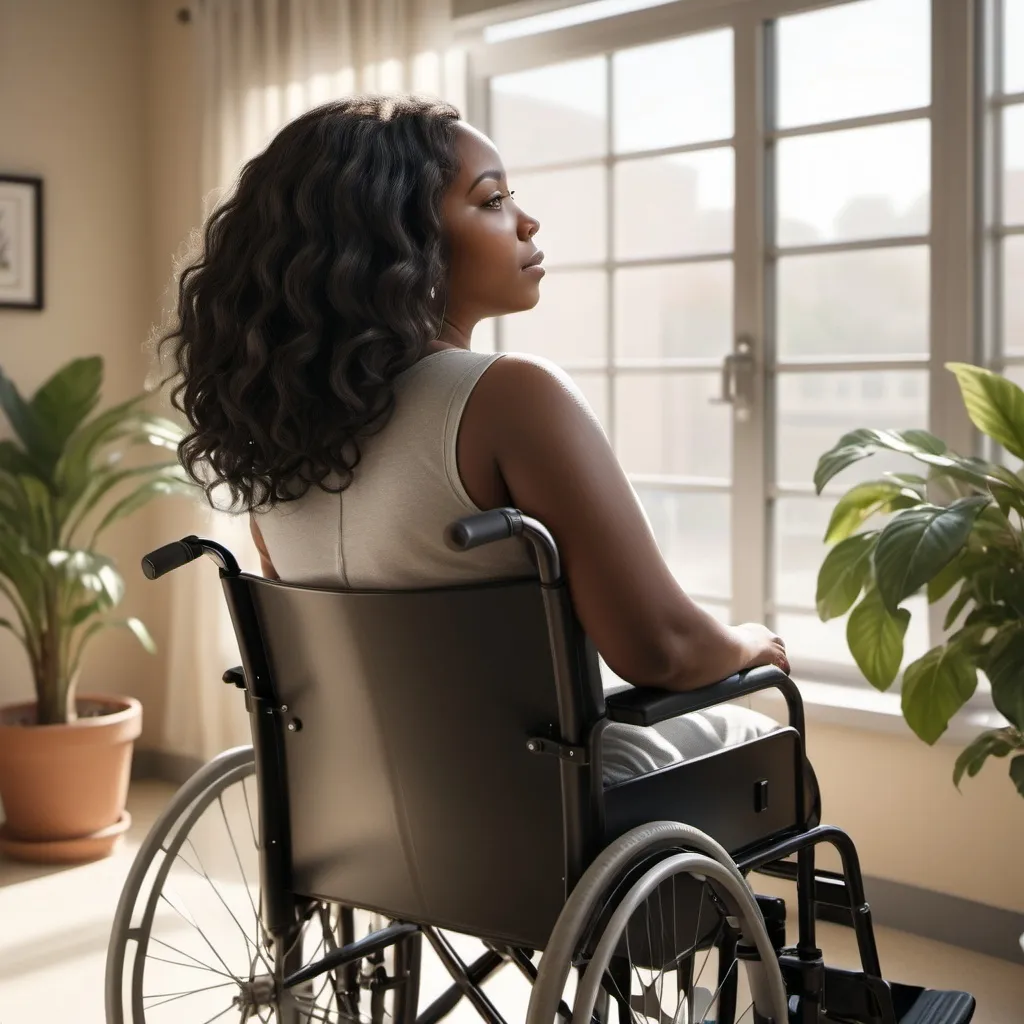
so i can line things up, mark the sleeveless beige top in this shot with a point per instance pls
(385, 531)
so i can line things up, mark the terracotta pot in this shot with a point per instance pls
(64, 784)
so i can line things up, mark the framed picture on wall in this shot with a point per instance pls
(21, 242)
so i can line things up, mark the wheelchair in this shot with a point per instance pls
(426, 765)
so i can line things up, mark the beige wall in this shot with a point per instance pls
(99, 98)
(72, 111)
(896, 798)
(173, 206)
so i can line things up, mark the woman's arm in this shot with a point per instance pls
(265, 564)
(559, 467)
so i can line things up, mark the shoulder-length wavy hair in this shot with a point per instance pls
(311, 294)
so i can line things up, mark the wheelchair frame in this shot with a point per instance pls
(862, 996)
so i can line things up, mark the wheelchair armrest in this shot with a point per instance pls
(648, 705)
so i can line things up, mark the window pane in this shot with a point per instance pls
(551, 114)
(1013, 46)
(1015, 374)
(570, 206)
(864, 183)
(595, 390)
(695, 71)
(1013, 293)
(852, 60)
(809, 640)
(692, 531)
(674, 312)
(674, 205)
(863, 303)
(1013, 165)
(799, 548)
(568, 324)
(665, 423)
(816, 409)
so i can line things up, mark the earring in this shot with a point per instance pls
(432, 292)
(444, 310)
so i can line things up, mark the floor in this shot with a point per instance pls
(54, 927)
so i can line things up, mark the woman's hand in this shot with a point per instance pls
(762, 646)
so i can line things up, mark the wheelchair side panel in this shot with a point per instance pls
(740, 796)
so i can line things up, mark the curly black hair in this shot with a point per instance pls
(311, 294)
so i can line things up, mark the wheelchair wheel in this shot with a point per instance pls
(665, 925)
(187, 945)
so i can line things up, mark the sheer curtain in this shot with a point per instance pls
(264, 62)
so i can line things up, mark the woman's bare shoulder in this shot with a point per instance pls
(552, 455)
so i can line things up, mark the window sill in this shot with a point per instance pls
(855, 707)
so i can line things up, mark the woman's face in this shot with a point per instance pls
(493, 261)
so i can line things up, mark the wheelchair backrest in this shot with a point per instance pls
(405, 722)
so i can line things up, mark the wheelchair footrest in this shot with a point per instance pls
(932, 1007)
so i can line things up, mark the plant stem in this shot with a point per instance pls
(53, 706)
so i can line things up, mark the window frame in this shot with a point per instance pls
(961, 240)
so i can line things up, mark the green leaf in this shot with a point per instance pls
(103, 483)
(13, 628)
(875, 638)
(919, 542)
(911, 480)
(14, 461)
(935, 688)
(995, 405)
(17, 602)
(1005, 670)
(85, 611)
(37, 526)
(22, 418)
(65, 400)
(860, 503)
(970, 641)
(944, 581)
(923, 441)
(1017, 773)
(991, 615)
(141, 634)
(859, 444)
(142, 495)
(75, 466)
(133, 625)
(994, 743)
(95, 572)
(843, 574)
(959, 604)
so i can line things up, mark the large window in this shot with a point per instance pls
(1005, 184)
(750, 225)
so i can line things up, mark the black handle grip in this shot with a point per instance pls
(170, 557)
(483, 528)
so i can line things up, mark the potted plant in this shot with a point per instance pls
(958, 528)
(65, 759)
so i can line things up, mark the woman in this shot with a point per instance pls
(324, 349)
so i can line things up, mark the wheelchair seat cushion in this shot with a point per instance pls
(632, 750)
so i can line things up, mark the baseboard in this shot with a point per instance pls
(906, 908)
(164, 765)
(950, 919)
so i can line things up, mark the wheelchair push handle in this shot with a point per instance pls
(170, 557)
(484, 528)
(500, 524)
(180, 552)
